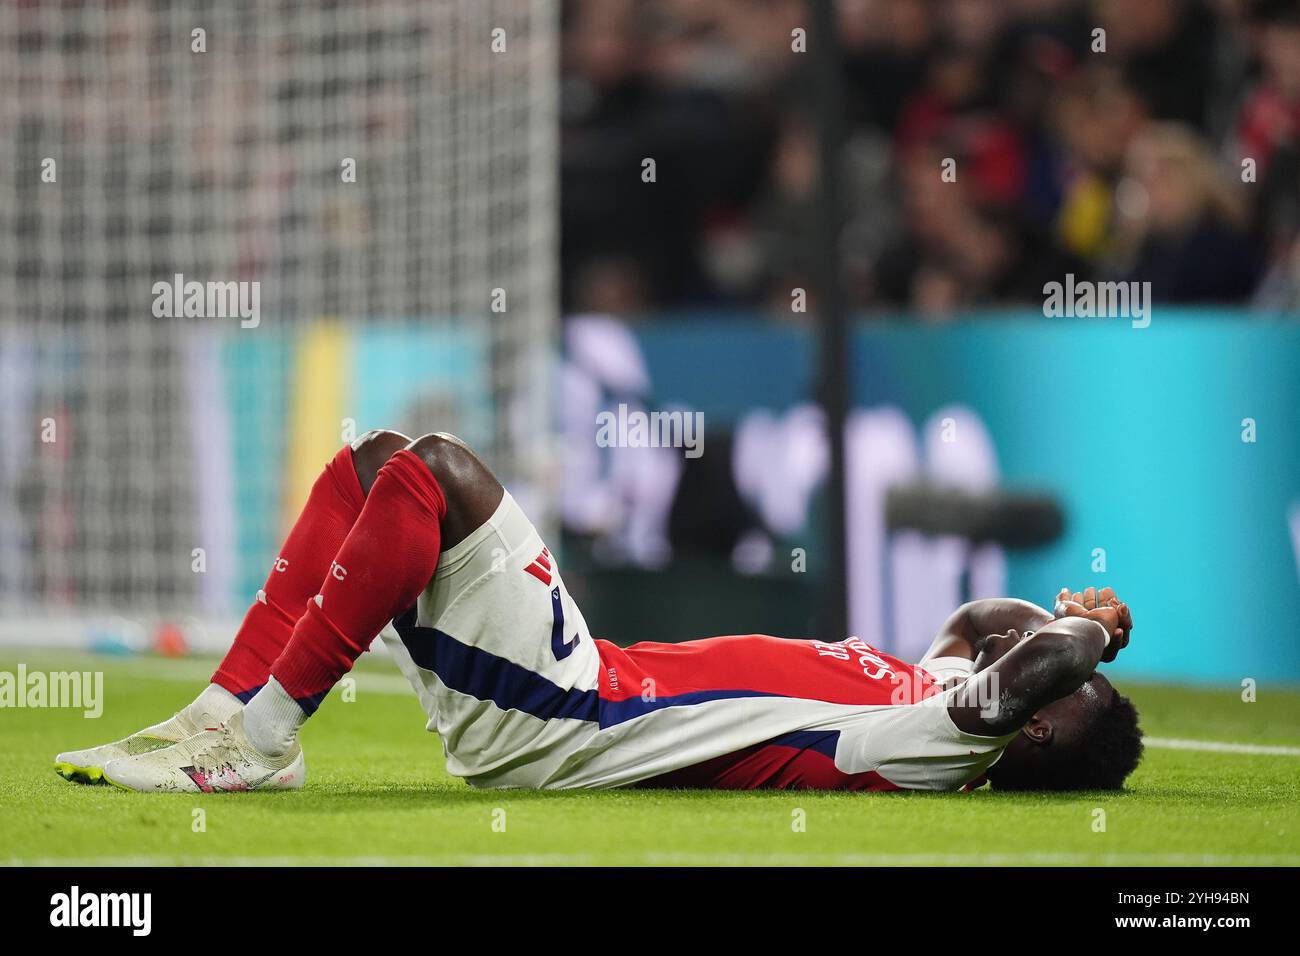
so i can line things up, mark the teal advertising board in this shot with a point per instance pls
(1144, 435)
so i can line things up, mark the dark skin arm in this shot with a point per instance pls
(1003, 695)
(963, 634)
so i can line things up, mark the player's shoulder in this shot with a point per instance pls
(917, 746)
(947, 671)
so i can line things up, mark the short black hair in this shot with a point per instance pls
(1098, 758)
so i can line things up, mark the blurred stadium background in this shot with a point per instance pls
(500, 268)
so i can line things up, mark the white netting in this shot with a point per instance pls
(128, 156)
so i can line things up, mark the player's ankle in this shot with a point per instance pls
(272, 719)
(213, 706)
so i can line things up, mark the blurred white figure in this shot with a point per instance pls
(880, 452)
(621, 496)
(931, 572)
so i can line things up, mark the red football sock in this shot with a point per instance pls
(387, 560)
(332, 508)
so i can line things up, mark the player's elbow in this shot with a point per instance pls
(1071, 648)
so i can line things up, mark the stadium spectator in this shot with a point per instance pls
(1182, 222)
(1056, 130)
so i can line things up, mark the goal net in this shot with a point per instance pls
(234, 236)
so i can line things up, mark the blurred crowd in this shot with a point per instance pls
(1147, 140)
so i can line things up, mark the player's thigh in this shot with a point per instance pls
(497, 621)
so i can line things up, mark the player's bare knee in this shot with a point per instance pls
(371, 450)
(445, 455)
(471, 490)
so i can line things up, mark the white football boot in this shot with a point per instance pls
(212, 761)
(87, 766)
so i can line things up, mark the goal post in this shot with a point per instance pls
(233, 236)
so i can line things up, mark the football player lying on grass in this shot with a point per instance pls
(421, 534)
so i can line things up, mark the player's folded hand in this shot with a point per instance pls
(1102, 606)
(1090, 598)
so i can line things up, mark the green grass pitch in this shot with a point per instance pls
(377, 793)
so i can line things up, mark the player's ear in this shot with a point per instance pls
(1038, 730)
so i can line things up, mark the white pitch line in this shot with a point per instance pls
(193, 672)
(1214, 746)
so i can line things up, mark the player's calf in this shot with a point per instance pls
(427, 496)
(336, 500)
(386, 560)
